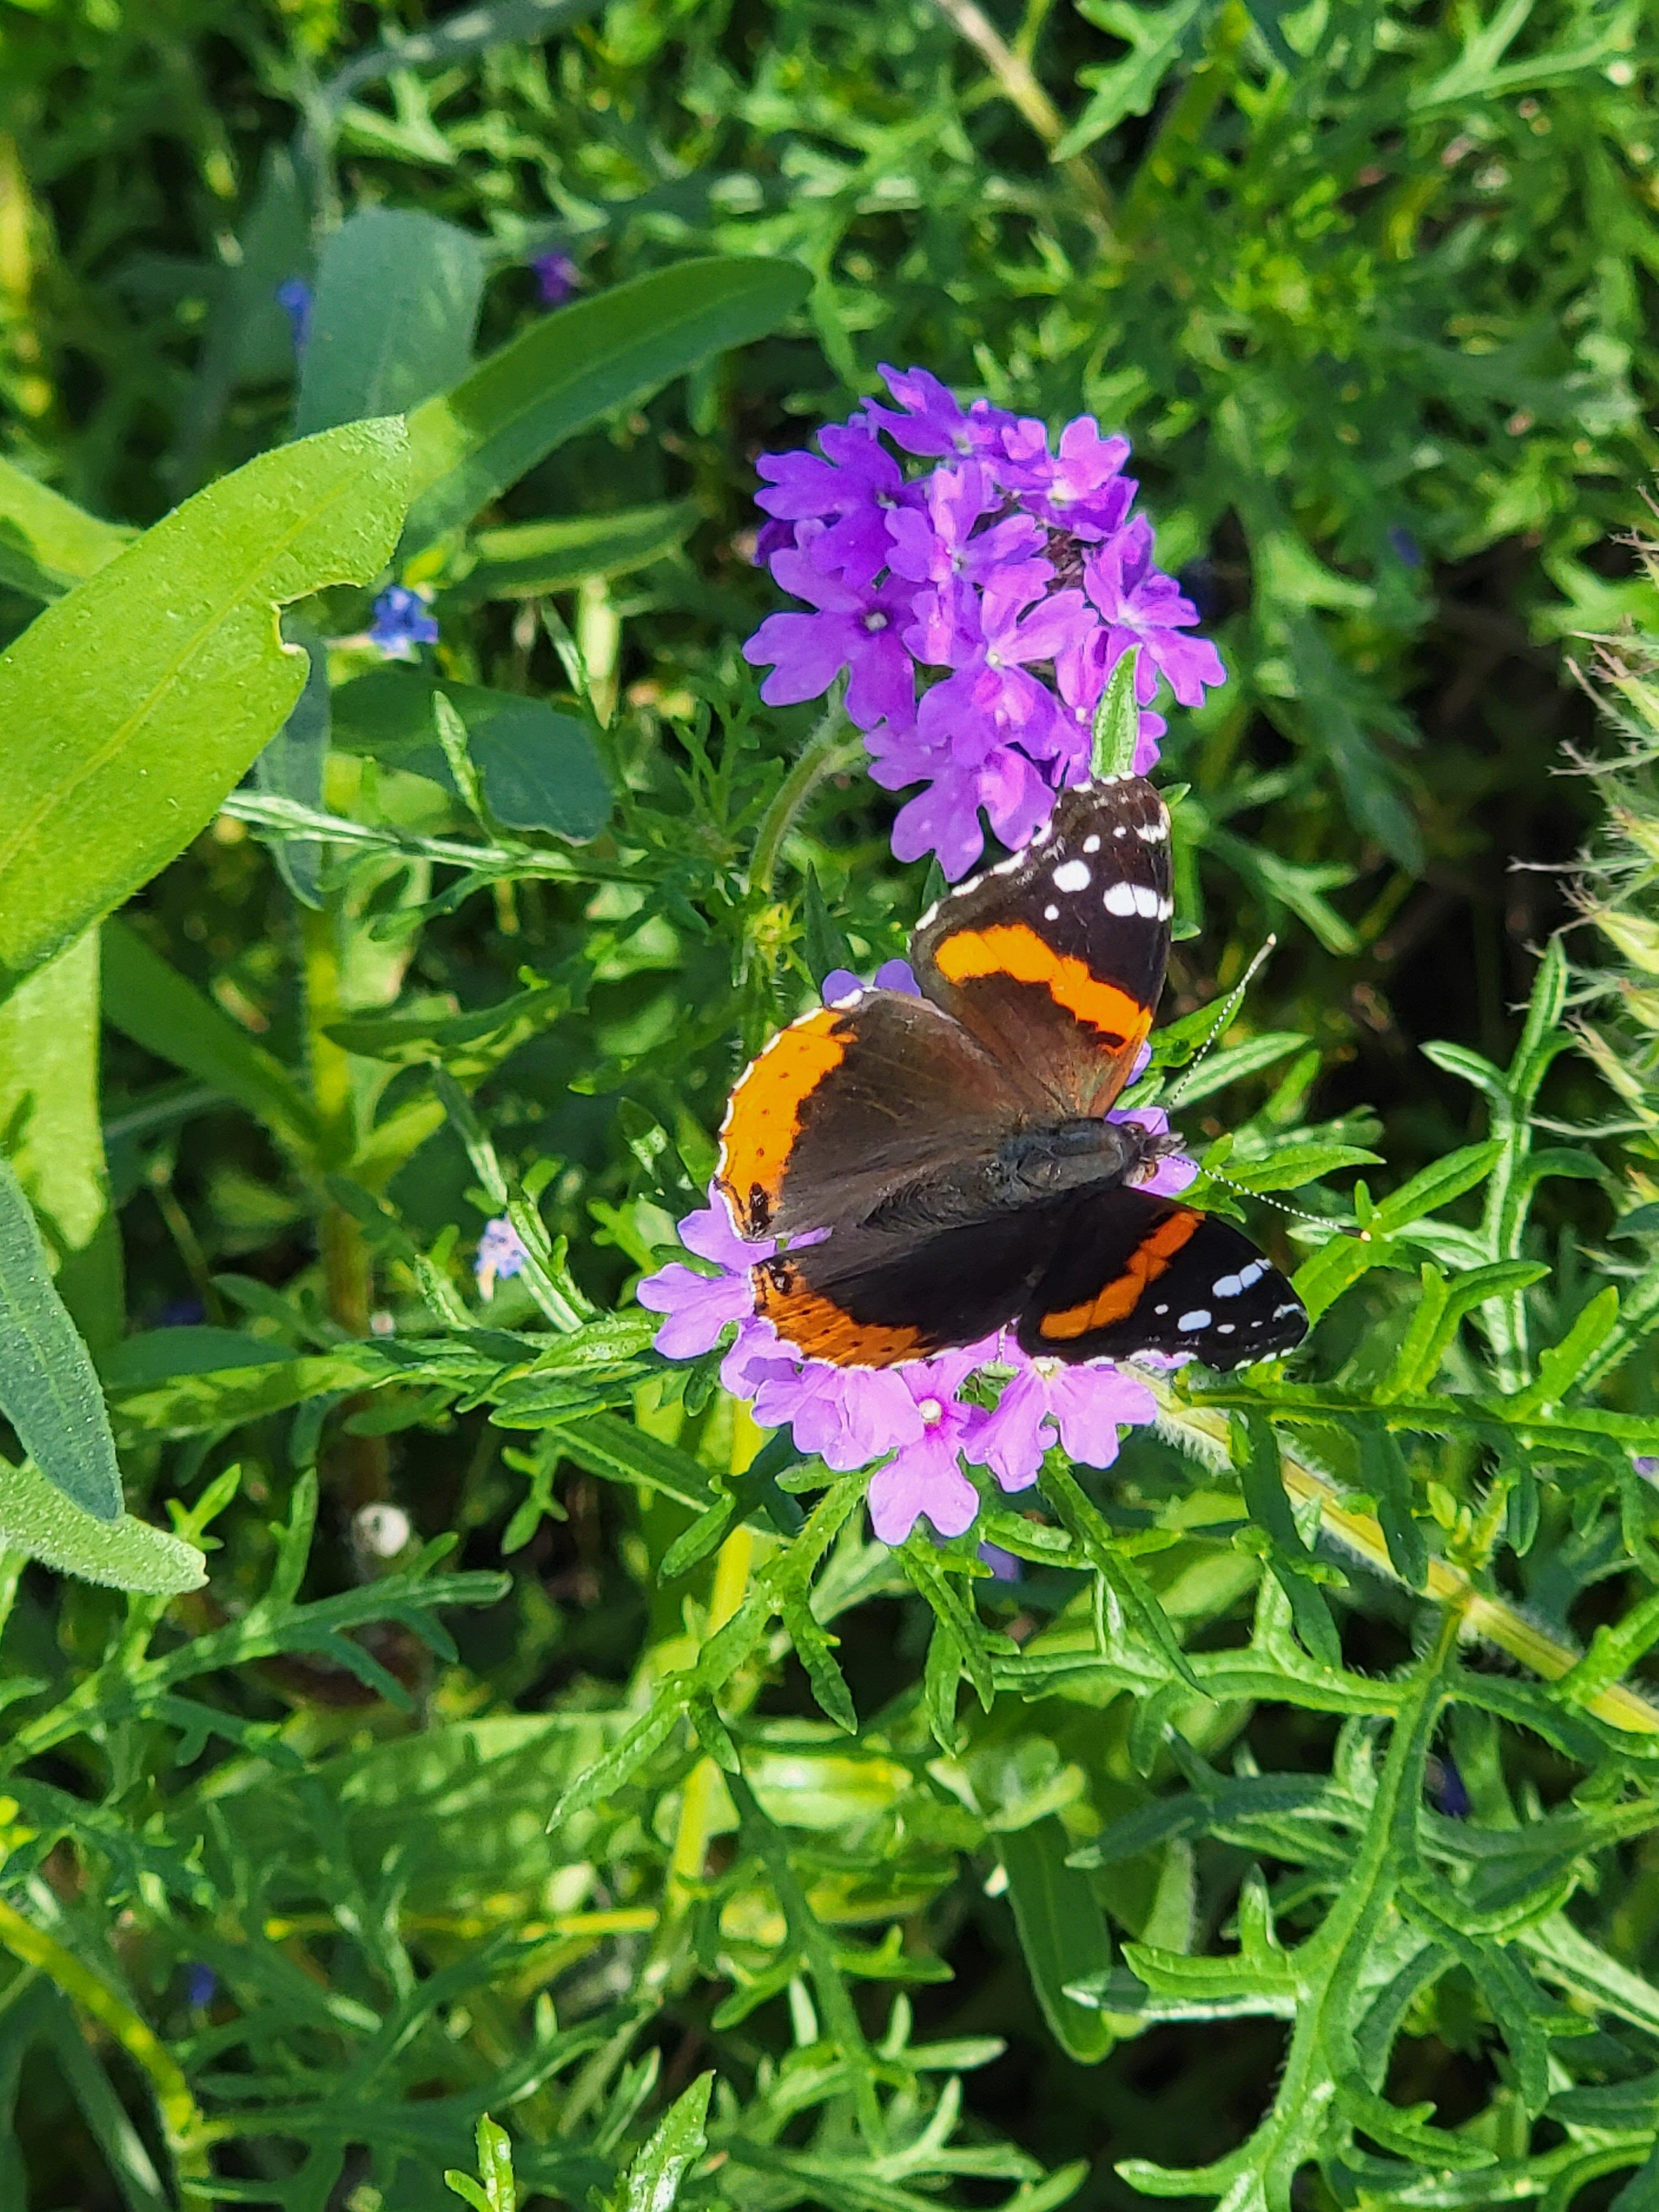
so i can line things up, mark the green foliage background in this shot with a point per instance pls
(635, 1832)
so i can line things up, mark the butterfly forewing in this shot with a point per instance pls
(1054, 958)
(852, 1102)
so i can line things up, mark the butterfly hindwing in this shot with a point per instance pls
(1132, 1273)
(1054, 958)
(866, 1300)
(848, 1103)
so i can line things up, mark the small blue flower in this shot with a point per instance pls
(500, 1254)
(555, 277)
(1405, 546)
(402, 623)
(294, 296)
(201, 1984)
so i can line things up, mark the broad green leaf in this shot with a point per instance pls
(47, 543)
(49, 1036)
(1062, 1932)
(572, 368)
(621, 1453)
(157, 1355)
(539, 768)
(48, 1390)
(391, 318)
(38, 1521)
(190, 1401)
(158, 1008)
(1293, 1165)
(134, 705)
(1158, 38)
(529, 559)
(295, 765)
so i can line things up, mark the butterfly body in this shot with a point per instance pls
(940, 1167)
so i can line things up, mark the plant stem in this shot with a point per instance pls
(1205, 1434)
(827, 752)
(1017, 83)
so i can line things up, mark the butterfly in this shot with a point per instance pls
(937, 1168)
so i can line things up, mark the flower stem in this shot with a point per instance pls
(1204, 1434)
(827, 752)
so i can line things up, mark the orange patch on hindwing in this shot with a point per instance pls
(1123, 1293)
(816, 1325)
(764, 1117)
(1011, 948)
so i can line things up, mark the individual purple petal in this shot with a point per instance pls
(698, 1307)
(1006, 1566)
(1017, 1433)
(401, 622)
(943, 819)
(1092, 1402)
(757, 1355)
(897, 975)
(709, 1233)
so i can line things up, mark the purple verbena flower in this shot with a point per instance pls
(1082, 1407)
(1145, 608)
(859, 631)
(976, 610)
(500, 1255)
(555, 277)
(401, 622)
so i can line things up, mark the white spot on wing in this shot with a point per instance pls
(1092, 844)
(1120, 899)
(1051, 913)
(1198, 1318)
(1071, 876)
(1152, 833)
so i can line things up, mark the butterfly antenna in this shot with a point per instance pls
(1296, 1213)
(1221, 1023)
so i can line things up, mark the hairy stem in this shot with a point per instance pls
(828, 751)
(1017, 83)
(1205, 1434)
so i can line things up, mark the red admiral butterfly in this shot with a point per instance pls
(950, 1150)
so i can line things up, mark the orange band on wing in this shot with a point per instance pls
(1123, 1293)
(1011, 948)
(764, 1117)
(817, 1325)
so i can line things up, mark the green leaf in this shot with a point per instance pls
(495, 2191)
(49, 1038)
(392, 316)
(825, 946)
(1158, 38)
(48, 1389)
(1293, 1165)
(538, 768)
(47, 543)
(1062, 1932)
(653, 2178)
(154, 1006)
(133, 706)
(573, 369)
(38, 1521)
(1117, 722)
(529, 559)
(1438, 1185)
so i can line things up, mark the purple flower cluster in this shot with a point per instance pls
(555, 276)
(1008, 580)
(914, 1418)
